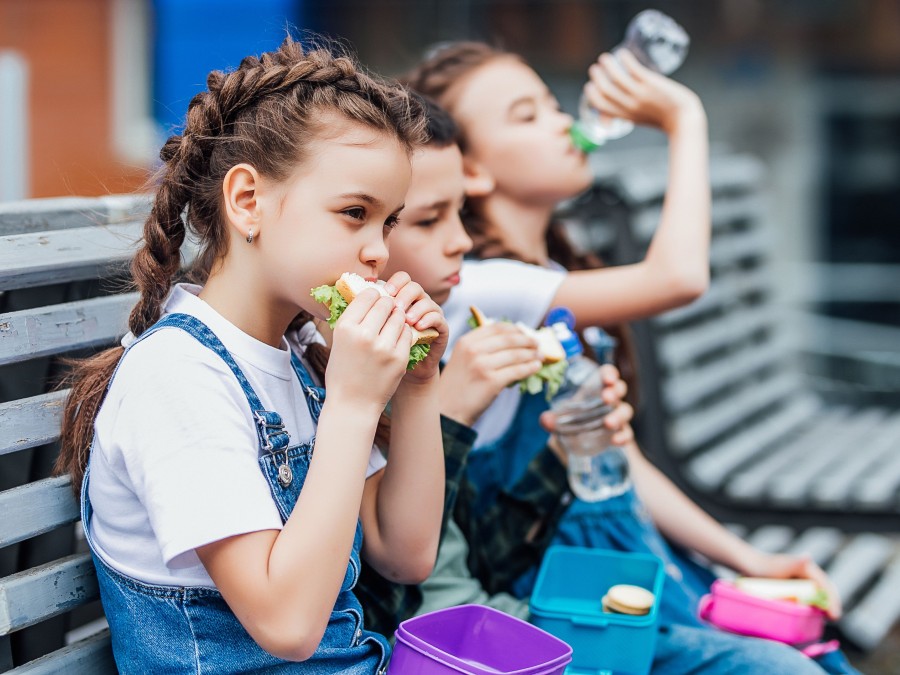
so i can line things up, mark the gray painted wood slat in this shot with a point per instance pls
(712, 468)
(29, 422)
(858, 562)
(771, 538)
(705, 423)
(791, 486)
(91, 656)
(819, 543)
(35, 508)
(43, 331)
(726, 293)
(691, 386)
(881, 443)
(869, 621)
(63, 213)
(65, 255)
(29, 597)
(750, 483)
(680, 348)
(725, 211)
(881, 486)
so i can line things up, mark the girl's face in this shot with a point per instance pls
(516, 133)
(430, 242)
(335, 213)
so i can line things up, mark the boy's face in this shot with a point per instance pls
(429, 242)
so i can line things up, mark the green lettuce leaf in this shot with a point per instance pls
(550, 375)
(820, 599)
(329, 296)
(417, 353)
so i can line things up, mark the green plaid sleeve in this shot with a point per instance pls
(386, 603)
(515, 530)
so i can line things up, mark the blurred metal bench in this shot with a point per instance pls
(728, 413)
(45, 243)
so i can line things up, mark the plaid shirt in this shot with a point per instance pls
(514, 531)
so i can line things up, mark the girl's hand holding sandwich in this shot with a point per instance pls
(424, 315)
(783, 566)
(370, 348)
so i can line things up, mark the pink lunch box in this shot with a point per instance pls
(729, 608)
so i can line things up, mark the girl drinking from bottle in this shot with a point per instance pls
(224, 495)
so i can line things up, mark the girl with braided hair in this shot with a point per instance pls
(224, 496)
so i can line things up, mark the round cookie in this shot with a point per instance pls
(628, 599)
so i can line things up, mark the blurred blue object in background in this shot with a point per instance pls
(193, 37)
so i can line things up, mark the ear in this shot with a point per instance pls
(478, 180)
(240, 190)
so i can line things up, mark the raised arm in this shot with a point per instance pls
(675, 270)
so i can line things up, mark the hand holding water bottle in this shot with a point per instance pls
(624, 91)
(618, 422)
(597, 468)
(629, 86)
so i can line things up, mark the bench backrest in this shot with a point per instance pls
(52, 250)
(722, 378)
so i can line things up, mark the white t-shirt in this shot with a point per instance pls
(502, 289)
(174, 461)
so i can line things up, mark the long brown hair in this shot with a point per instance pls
(447, 65)
(263, 113)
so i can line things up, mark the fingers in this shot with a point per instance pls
(812, 571)
(507, 375)
(358, 309)
(396, 283)
(497, 337)
(548, 421)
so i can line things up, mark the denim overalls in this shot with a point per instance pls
(168, 629)
(685, 644)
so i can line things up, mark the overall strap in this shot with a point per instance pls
(315, 395)
(269, 426)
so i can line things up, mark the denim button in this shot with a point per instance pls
(357, 636)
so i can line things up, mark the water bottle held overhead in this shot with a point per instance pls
(659, 44)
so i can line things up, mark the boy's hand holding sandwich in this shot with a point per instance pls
(484, 363)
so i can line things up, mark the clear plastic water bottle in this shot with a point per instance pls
(658, 43)
(597, 469)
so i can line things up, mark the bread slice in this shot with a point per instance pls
(798, 590)
(350, 285)
(548, 345)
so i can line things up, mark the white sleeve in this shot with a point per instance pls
(189, 446)
(376, 462)
(502, 289)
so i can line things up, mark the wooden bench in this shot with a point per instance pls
(62, 262)
(728, 412)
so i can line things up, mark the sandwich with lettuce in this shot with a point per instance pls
(550, 351)
(345, 289)
(800, 591)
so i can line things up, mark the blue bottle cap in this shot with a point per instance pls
(562, 321)
(560, 315)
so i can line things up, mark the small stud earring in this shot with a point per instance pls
(250, 236)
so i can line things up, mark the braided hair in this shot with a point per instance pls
(263, 113)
